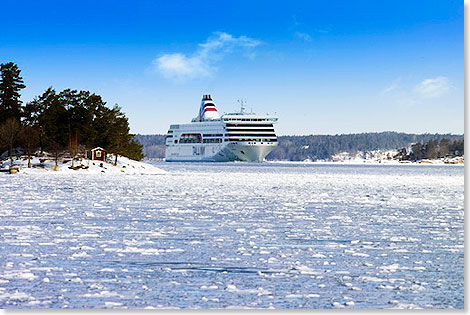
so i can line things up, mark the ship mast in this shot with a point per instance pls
(242, 105)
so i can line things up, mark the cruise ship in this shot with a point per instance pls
(211, 137)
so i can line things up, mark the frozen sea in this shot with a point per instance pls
(235, 235)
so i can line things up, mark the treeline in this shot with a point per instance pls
(433, 149)
(319, 147)
(322, 147)
(68, 121)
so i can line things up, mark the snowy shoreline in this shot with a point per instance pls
(124, 166)
(127, 166)
(369, 162)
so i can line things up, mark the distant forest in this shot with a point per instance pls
(321, 147)
(154, 145)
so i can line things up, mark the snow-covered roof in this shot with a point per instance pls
(98, 148)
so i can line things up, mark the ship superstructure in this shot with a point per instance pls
(213, 137)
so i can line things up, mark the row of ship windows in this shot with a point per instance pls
(226, 140)
(232, 134)
(197, 138)
(212, 140)
(204, 135)
(189, 141)
(217, 140)
(257, 129)
(247, 119)
(237, 127)
(244, 119)
(250, 140)
(231, 128)
(249, 125)
(213, 135)
(267, 122)
(251, 135)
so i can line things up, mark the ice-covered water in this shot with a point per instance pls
(235, 235)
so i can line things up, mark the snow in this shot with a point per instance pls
(457, 161)
(234, 235)
(123, 166)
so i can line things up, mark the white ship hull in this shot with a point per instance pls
(218, 152)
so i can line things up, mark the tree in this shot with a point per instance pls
(32, 113)
(52, 118)
(431, 150)
(9, 131)
(74, 146)
(57, 153)
(456, 148)
(134, 150)
(444, 147)
(10, 85)
(29, 140)
(401, 155)
(117, 132)
(417, 152)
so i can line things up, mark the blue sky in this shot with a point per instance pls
(324, 67)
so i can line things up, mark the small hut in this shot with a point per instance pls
(97, 154)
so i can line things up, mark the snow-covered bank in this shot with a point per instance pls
(124, 166)
(377, 162)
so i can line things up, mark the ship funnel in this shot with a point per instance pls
(207, 111)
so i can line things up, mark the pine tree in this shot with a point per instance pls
(117, 132)
(134, 150)
(10, 85)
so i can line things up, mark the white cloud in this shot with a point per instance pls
(409, 94)
(432, 88)
(201, 63)
(178, 66)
